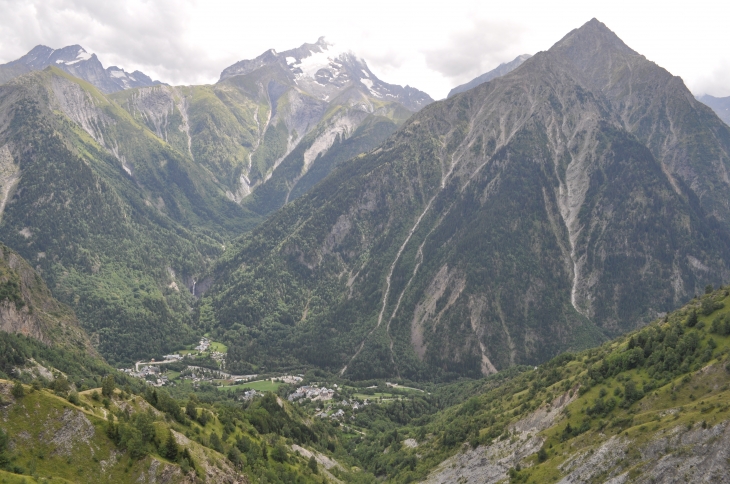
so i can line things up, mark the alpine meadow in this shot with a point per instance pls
(302, 273)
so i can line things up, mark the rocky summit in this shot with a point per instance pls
(319, 106)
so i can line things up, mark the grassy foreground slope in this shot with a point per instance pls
(121, 437)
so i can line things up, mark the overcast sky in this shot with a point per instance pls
(431, 45)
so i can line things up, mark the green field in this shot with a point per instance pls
(219, 347)
(261, 386)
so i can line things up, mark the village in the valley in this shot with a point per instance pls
(205, 364)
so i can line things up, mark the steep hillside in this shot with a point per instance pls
(115, 220)
(59, 440)
(27, 307)
(498, 71)
(575, 198)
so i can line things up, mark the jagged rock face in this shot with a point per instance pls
(540, 211)
(27, 306)
(499, 71)
(79, 63)
(491, 463)
(656, 107)
(703, 458)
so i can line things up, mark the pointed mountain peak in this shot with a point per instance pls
(589, 39)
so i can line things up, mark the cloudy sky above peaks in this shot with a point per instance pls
(431, 45)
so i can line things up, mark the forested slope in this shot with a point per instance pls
(115, 220)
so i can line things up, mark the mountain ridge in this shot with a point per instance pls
(75, 60)
(500, 70)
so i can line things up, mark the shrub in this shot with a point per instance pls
(18, 390)
(692, 318)
(279, 453)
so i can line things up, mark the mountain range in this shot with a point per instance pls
(478, 289)
(122, 198)
(547, 209)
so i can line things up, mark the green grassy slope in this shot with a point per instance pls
(124, 438)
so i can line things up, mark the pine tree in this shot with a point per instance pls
(4, 459)
(171, 449)
(313, 464)
(112, 430)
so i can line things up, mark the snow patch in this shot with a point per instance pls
(364, 73)
(118, 74)
(291, 60)
(368, 83)
(319, 60)
(81, 56)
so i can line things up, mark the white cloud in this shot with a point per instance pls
(716, 83)
(474, 50)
